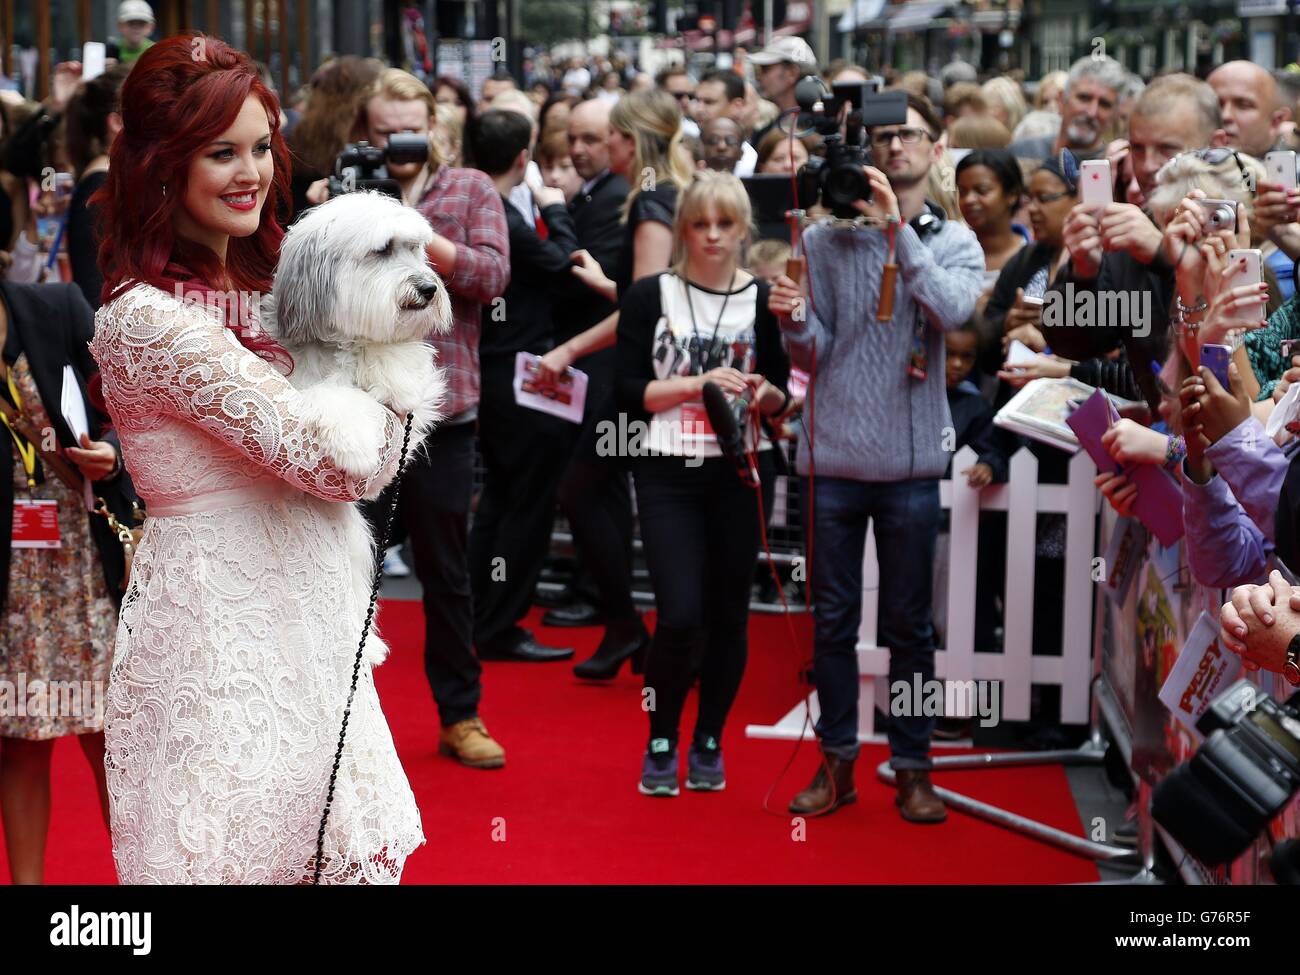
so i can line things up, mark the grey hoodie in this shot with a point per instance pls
(871, 420)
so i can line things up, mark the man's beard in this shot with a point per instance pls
(1082, 133)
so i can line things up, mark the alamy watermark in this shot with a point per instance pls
(21, 698)
(947, 699)
(1087, 307)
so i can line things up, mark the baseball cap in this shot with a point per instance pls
(794, 50)
(130, 10)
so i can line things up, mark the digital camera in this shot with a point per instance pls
(1242, 776)
(361, 166)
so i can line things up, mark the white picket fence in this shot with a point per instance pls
(1023, 498)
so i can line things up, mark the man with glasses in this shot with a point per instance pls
(878, 439)
(721, 140)
(721, 94)
(681, 86)
(1119, 250)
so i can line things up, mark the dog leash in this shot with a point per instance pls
(356, 663)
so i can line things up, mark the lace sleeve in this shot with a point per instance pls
(339, 445)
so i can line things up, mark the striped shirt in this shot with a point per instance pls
(463, 205)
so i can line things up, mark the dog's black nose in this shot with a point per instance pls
(427, 291)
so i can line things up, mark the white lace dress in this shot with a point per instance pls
(236, 641)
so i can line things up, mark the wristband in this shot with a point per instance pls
(1291, 669)
(1175, 451)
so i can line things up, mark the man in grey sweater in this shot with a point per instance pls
(877, 443)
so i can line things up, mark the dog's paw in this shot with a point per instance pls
(349, 425)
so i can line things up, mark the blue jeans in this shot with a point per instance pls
(906, 516)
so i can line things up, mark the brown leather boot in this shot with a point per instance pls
(916, 799)
(827, 792)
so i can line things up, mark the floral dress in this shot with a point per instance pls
(56, 644)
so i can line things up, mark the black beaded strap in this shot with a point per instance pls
(361, 647)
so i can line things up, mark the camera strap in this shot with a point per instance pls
(926, 224)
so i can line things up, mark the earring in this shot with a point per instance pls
(164, 186)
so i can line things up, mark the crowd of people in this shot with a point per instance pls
(596, 220)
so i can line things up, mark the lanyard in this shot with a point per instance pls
(27, 451)
(696, 345)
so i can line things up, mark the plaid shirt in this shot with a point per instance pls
(463, 205)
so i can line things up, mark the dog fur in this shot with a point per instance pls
(353, 302)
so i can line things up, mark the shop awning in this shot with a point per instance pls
(917, 15)
(859, 14)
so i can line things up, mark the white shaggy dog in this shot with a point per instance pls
(353, 302)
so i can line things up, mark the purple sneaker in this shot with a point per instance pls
(704, 772)
(659, 770)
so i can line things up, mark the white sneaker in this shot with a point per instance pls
(394, 567)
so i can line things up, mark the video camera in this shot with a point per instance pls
(842, 115)
(1242, 776)
(361, 166)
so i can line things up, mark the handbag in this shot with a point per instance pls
(128, 536)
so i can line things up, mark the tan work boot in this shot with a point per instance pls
(470, 744)
(916, 799)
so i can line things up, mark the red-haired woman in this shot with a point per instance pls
(235, 646)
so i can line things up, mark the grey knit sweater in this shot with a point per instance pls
(871, 420)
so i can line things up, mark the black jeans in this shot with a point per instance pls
(524, 453)
(597, 500)
(434, 506)
(699, 526)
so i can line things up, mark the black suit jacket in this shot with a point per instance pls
(53, 325)
(596, 218)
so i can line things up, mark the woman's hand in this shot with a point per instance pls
(1027, 335)
(1259, 623)
(1119, 491)
(1083, 240)
(588, 270)
(1292, 375)
(552, 365)
(1226, 304)
(1181, 244)
(1211, 410)
(94, 458)
(1042, 367)
(1132, 443)
(1022, 313)
(732, 381)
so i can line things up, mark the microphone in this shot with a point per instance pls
(729, 421)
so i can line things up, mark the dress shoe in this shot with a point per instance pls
(526, 650)
(621, 642)
(916, 799)
(470, 744)
(577, 614)
(830, 788)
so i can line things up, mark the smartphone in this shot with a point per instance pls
(1252, 273)
(1281, 167)
(93, 56)
(1290, 348)
(1219, 215)
(1215, 358)
(1032, 300)
(1095, 184)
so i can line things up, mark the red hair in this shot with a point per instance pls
(182, 93)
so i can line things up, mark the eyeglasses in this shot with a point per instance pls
(1043, 199)
(730, 141)
(908, 137)
(1215, 155)
(683, 95)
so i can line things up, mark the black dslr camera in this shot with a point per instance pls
(1242, 776)
(842, 116)
(361, 166)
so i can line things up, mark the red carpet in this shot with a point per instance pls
(566, 810)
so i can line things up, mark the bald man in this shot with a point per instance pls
(1252, 107)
